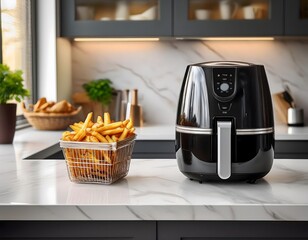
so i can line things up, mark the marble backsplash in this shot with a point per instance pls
(157, 69)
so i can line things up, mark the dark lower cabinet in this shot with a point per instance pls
(153, 230)
(78, 230)
(288, 149)
(232, 230)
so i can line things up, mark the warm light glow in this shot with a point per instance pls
(238, 39)
(115, 39)
(157, 39)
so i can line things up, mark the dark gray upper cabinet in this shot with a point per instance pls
(237, 18)
(183, 18)
(115, 18)
(296, 17)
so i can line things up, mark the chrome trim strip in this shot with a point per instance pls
(208, 131)
(193, 130)
(254, 131)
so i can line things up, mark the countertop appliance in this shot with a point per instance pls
(225, 124)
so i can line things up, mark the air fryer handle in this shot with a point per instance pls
(224, 149)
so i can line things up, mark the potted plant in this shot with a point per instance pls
(99, 90)
(11, 88)
(99, 97)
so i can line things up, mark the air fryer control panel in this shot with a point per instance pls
(224, 83)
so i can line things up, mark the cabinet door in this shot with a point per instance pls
(78, 230)
(225, 18)
(115, 18)
(296, 19)
(232, 230)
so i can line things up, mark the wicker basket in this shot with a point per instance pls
(50, 121)
(102, 163)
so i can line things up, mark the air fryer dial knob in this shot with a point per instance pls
(224, 87)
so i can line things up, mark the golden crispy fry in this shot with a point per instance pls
(68, 138)
(81, 133)
(66, 133)
(112, 131)
(93, 139)
(99, 136)
(125, 122)
(107, 118)
(87, 139)
(97, 125)
(100, 120)
(126, 130)
(90, 124)
(109, 126)
(124, 134)
(78, 124)
(109, 139)
(75, 128)
(114, 138)
(103, 130)
(129, 124)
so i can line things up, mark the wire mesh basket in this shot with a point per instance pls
(104, 163)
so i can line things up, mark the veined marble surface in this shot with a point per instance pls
(283, 132)
(152, 190)
(157, 68)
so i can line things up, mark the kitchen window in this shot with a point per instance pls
(17, 49)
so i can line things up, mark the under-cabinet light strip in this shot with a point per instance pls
(238, 39)
(229, 38)
(157, 39)
(114, 39)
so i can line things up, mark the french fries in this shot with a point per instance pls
(96, 165)
(103, 130)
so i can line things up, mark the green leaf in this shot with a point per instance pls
(11, 85)
(99, 90)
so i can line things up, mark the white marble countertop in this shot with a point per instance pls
(283, 132)
(153, 190)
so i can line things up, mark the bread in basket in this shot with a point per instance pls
(50, 120)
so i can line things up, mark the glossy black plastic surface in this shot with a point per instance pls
(249, 102)
(252, 156)
(229, 91)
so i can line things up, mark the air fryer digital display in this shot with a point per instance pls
(224, 83)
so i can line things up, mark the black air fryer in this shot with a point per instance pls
(225, 126)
